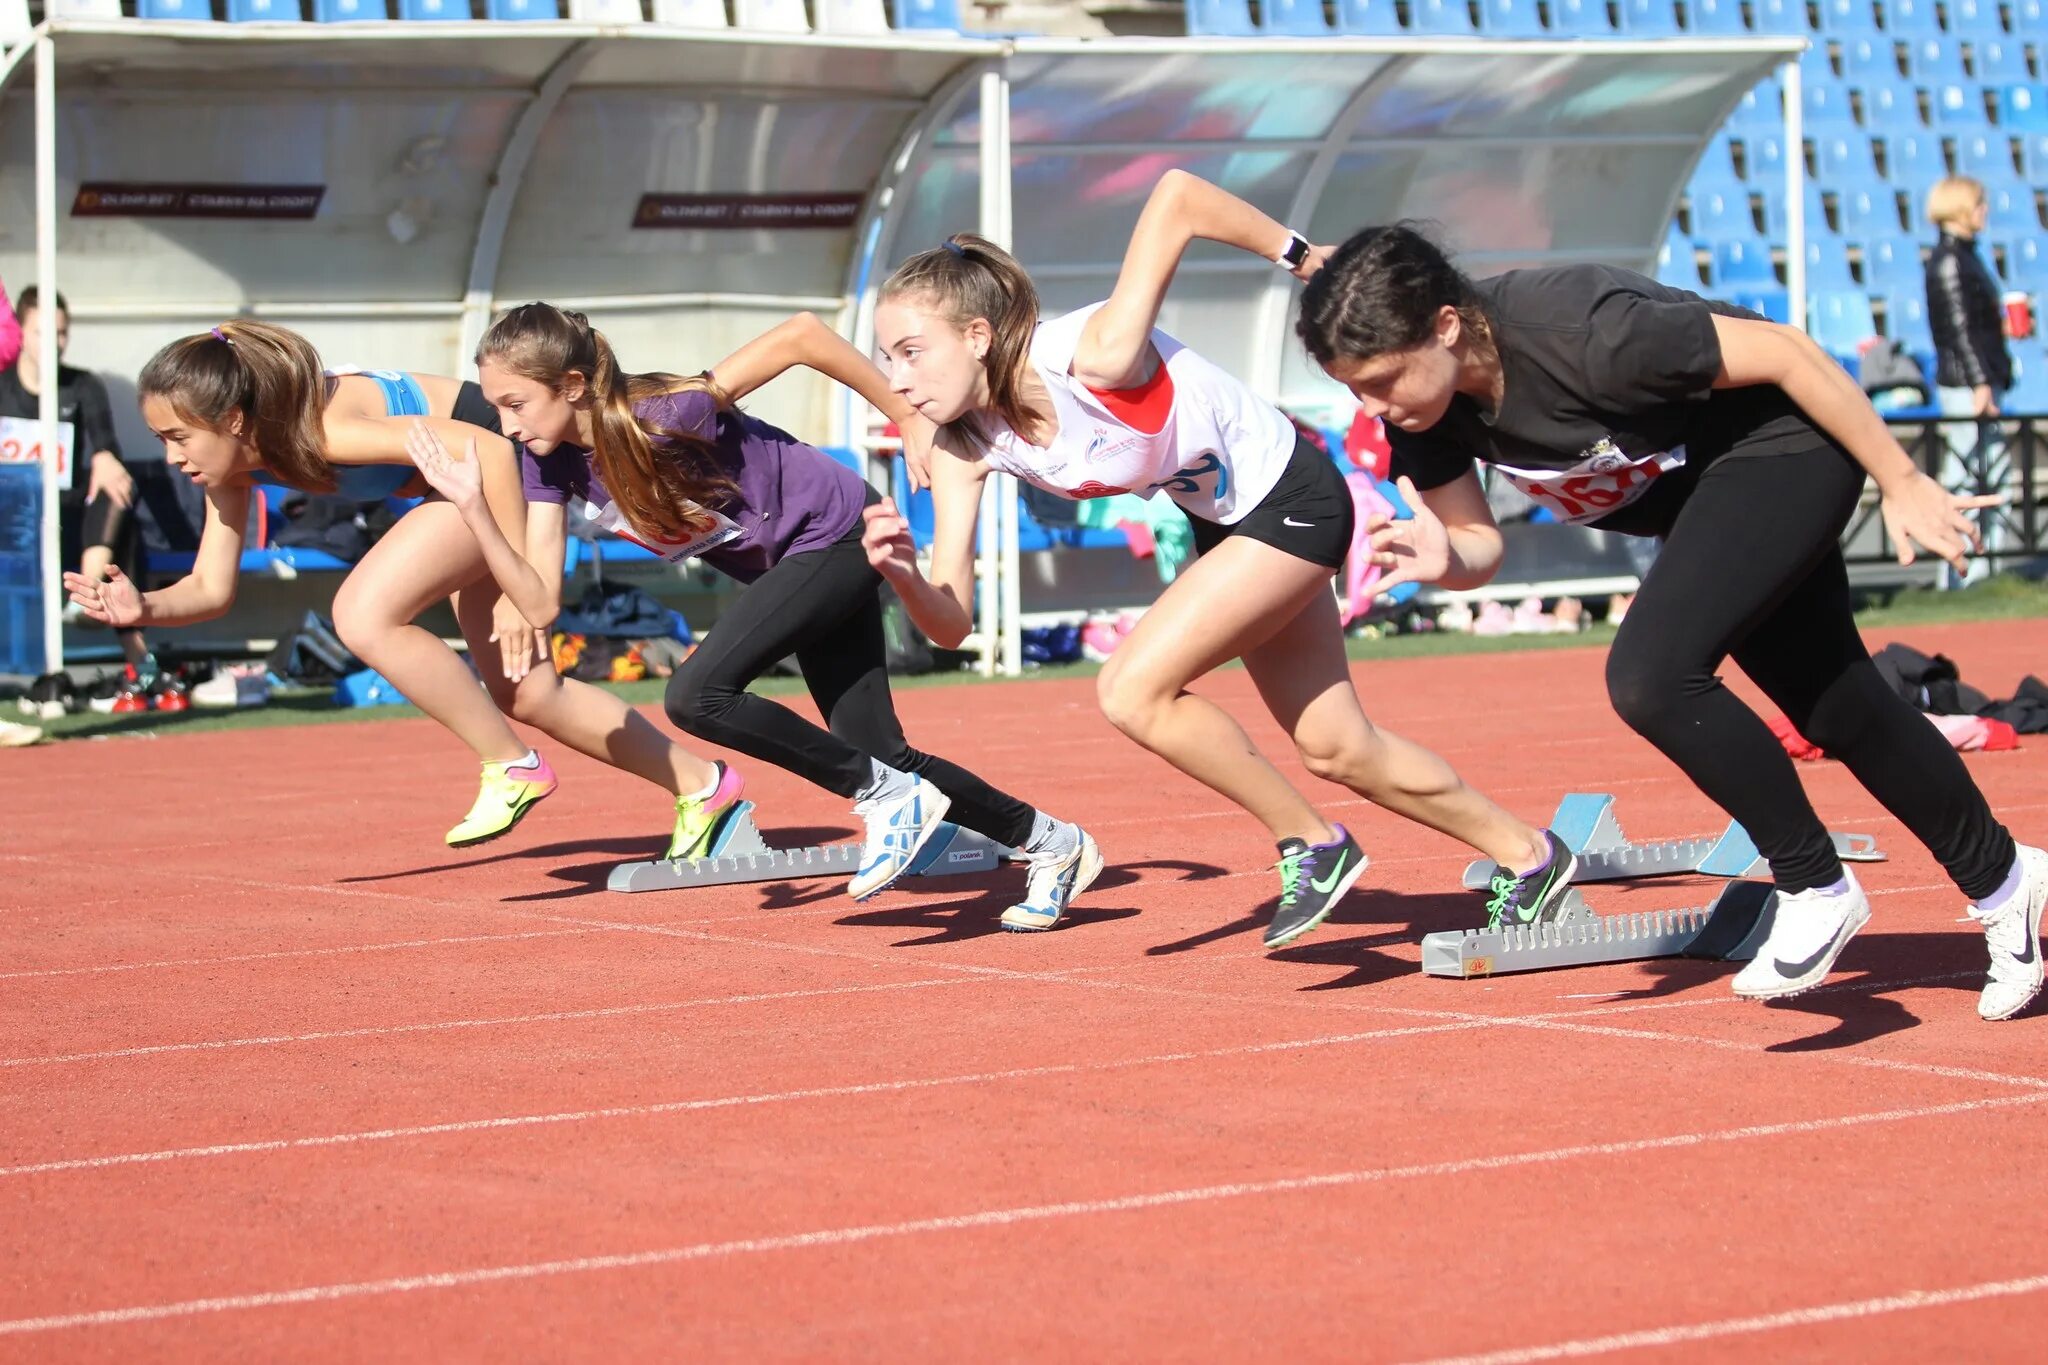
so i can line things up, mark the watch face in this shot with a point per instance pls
(1297, 251)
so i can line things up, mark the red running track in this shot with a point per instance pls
(284, 1079)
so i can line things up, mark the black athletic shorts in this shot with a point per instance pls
(470, 407)
(1308, 513)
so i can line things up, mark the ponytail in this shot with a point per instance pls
(971, 277)
(271, 373)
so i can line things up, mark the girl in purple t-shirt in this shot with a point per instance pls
(671, 463)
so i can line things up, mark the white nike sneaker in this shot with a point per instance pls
(1808, 933)
(2013, 936)
(1055, 880)
(896, 831)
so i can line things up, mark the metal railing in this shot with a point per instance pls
(1968, 456)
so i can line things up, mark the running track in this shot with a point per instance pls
(283, 1079)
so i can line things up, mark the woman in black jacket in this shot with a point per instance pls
(1971, 364)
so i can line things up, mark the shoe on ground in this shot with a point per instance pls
(697, 819)
(1809, 929)
(13, 736)
(1533, 897)
(1313, 878)
(503, 798)
(1055, 879)
(897, 830)
(2013, 938)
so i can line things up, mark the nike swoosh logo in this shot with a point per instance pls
(1801, 968)
(2026, 959)
(1290, 521)
(1323, 885)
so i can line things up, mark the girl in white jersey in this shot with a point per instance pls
(1099, 403)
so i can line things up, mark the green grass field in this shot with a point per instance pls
(2006, 597)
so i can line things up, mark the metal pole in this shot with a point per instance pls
(1795, 195)
(998, 585)
(46, 340)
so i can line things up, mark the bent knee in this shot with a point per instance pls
(1127, 703)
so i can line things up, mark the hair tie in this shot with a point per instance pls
(956, 248)
(219, 335)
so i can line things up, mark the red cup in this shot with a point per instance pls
(2019, 315)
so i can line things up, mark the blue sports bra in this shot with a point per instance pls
(403, 397)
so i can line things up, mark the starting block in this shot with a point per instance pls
(1729, 930)
(738, 853)
(1585, 822)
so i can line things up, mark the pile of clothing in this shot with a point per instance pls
(1971, 720)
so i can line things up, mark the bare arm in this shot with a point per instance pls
(485, 488)
(1451, 539)
(1116, 345)
(205, 593)
(806, 341)
(941, 605)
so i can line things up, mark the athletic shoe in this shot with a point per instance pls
(125, 697)
(1313, 878)
(170, 694)
(14, 736)
(698, 818)
(1055, 879)
(502, 800)
(1532, 897)
(1808, 933)
(896, 831)
(2013, 936)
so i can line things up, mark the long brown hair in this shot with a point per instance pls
(1381, 292)
(662, 481)
(971, 277)
(269, 372)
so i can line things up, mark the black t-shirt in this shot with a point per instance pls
(1608, 387)
(81, 401)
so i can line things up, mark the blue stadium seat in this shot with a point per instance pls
(1678, 262)
(1910, 18)
(941, 15)
(1936, 61)
(1294, 18)
(1776, 225)
(1721, 217)
(1581, 19)
(2029, 16)
(508, 10)
(1715, 18)
(2023, 108)
(1220, 19)
(1827, 264)
(2012, 210)
(2034, 158)
(1844, 161)
(1870, 59)
(1649, 19)
(2029, 392)
(1870, 213)
(2002, 61)
(1958, 106)
(1774, 304)
(1369, 18)
(1892, 263)
(1986, 157)
(1511, 19)
(2026, 263)
(1839, 319)
(1716, 168)
(1827, 107)
(1974, 19)
(1780, 16)
(1765, 157)
(1886, 107)
(1739, 262)
(1439, 18)
(1761, 109)
(349, 11)
(1905, 318)
(1845, 17)
(263, 12)
(1913, 161)
(198, 11)
(434, 11)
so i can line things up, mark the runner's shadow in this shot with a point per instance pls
(1360, 907)
(1861, 1006)
(626, 850)
(955, 921)
(585, 879)
(1364, 955)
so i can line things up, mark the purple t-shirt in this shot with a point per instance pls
(792, 497)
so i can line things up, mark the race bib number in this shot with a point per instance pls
(722, 529)
(1604, 481)
(21, 442)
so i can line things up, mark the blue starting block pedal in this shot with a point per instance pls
(1730, 929)
(1585, 822)
(738, 853)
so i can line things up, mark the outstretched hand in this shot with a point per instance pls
(114, 602)
(1920, 512)
(459, 481)
(1414, 551)
(886, 538)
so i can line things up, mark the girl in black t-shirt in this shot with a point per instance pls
(1626, 405)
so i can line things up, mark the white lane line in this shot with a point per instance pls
(336, 951)
(964, 1222)
(1763, 1322)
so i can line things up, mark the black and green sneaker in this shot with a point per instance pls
(1313, 878)
(1535, 896)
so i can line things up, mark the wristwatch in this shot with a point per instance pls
(1294, 253)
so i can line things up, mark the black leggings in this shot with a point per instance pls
(825, 607)
(1752, 567)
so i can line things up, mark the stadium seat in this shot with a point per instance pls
(691, 13)
(82, 9)
(1581, 19)
(1761, 109)
(434, 11)
(1986, 157)
(2026, 263)
(1827, 107)
(2012, 209)
(2028, 17)
(1722, 217)
(1715, 18)
(1844, 161)
(264, 12)
(1905, 318)
(2002, 61)
(349, 11)
(1910, 18)
(1294, 18)
(1780, 16)
(1892, 263)
(1764, 160)
(1774, 304)
(1958, 106)
(1439, 18)
(1369, 18)
(1715, 169)
(1912, 161)
(1886, 107)
(1649, 19)
(2034, 158)
(1870, 59)
(1511, 19)
(935, 16)
(1739, 262)
(1842, 18)
(507, 11)
(1678, 262)
(606, 11)
(1840, 319)
(852, 16)
(1776, 222)
(1936, 61)
(2023, 108)
(771, 16)
(1827, 265)
(2029, 392)
(198, 11)
(1870, 213)
(1206, 19)
(1974, 19)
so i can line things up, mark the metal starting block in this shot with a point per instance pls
(1729, 930)
(1585, 822)
(739, 854)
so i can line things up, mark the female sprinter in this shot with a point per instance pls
(1100, 402)
(1623, 404)
(248, 402)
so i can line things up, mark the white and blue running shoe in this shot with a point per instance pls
(1055, 880)
(897, 829)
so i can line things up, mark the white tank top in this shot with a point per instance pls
(1221, 451)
